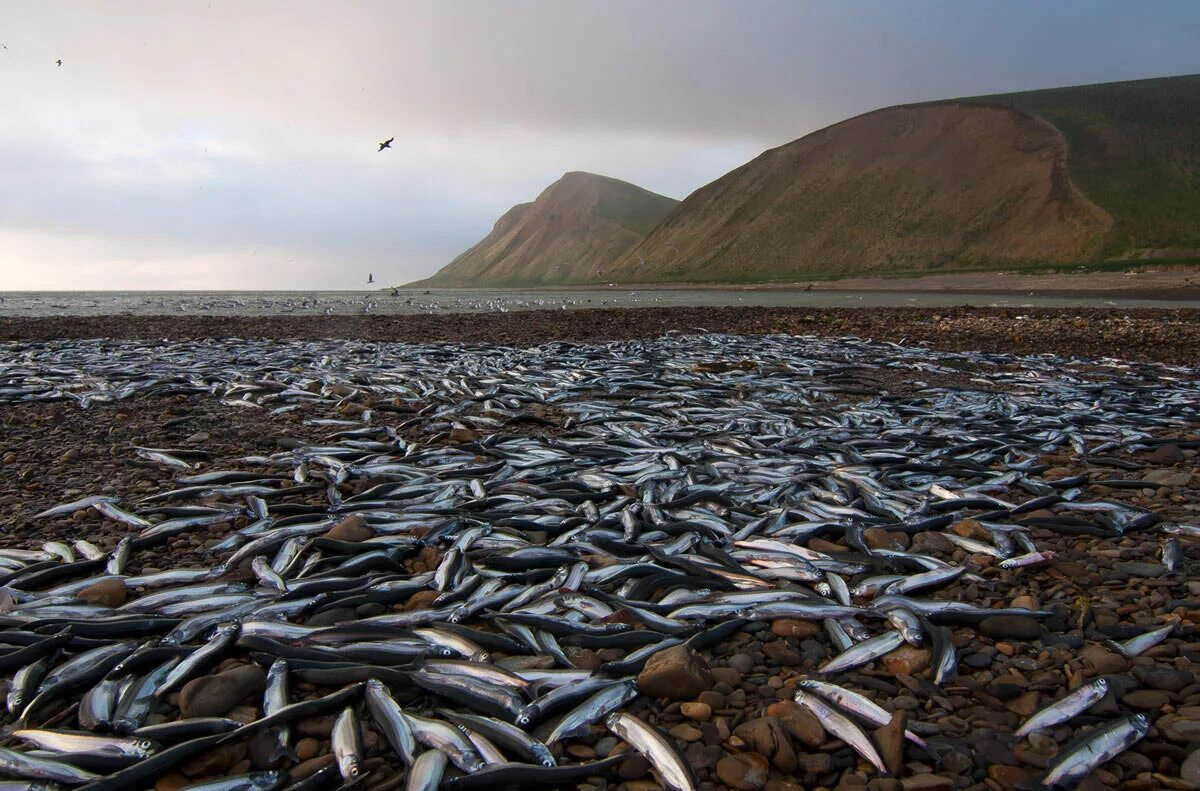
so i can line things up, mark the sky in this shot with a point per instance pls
(232, 144)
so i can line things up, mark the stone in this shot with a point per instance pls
(685, 732)
(1162, 677)
(214, 695)
(1179, 727)
(678, 673)
(261, 747)
(742, 663)
(745, 771)
(878, 538)
(307, 748)
(172, 782)
(1166, 454)
(1011, 627)
(1008, 776)
(930, 541)
(421, 600)
(794, 627)
(703, 757)
(714, 700)
(581, 751)
(701, 712)
(633, 767)
(767, 736)
(1025, 704)
(906, 660)
(1101, 661)
(317, 727)
(458, 435)
(1139, 569)
(197, 438)
(106, 593)
(969, 528)
(1146, 699)
(890, 739)
(928, 782)
(798, 721)
(214, 761)
(779, 651)
(1169, 477)
(783, 785)
(1190, 770)
(352, 528)
(727, 675)
(306, 769)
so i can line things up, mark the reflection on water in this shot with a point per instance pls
(413, 301)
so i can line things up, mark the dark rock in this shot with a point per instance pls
(1011, 627)
(767, 736)
(746, 771)
(678, 673)
(1162, 677)
(214, 695)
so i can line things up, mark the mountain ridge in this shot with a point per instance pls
(1060, 176)
(575, 228)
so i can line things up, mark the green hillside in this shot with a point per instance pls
(1133, 149)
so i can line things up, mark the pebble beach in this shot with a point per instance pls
(787, 458)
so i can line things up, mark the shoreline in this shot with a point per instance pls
(1146, 334)
(1177, 283)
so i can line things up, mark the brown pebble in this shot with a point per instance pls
(310, 767)
(172, 782)
(106, 593)
(794, 627)
(701, 712)
(307, 748)
(352, 528)
(581, 751)
(906, 660)
(745, 771)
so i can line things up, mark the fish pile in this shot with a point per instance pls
(512, 551)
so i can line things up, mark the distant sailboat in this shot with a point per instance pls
(370, 277)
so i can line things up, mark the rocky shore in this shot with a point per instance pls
(1171, 336)
(727, 707)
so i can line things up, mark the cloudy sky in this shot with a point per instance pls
(232, 143)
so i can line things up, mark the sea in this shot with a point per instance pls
(432, 301)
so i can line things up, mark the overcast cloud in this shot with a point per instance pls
(232, 143)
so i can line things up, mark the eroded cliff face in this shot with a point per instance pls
(898, 189)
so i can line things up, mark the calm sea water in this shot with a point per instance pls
(415, 301)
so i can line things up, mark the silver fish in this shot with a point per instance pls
(674, 774)
(1065, 708)
(1100, 746)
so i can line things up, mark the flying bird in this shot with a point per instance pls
(385, 144)
(59, 61)
(370, 277)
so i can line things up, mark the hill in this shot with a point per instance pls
(572, 233)
(1065, 175)
(1134, 149)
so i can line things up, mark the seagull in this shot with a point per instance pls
(59, 61)
(370, 277)
(385, 144)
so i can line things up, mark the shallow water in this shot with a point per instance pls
(416, 301)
